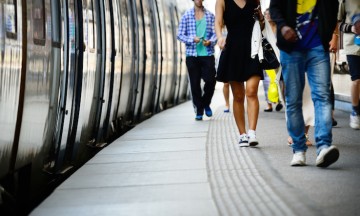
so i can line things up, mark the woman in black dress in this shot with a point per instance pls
(236, 65)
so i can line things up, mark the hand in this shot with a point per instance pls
(333, 43)
(221, 42)
(356, 28)
(289, 34)
(257, 14)
(206, 43)
(197, 39)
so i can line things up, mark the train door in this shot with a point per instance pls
(182, 70)
(148, 72)
(117, 63)
(139, 58)
(57, 88)
(89, 39)
(177, 53)
(128, 76)
(160, 102)
(54, 162)
(157, 55)
(12, 50)
(36, 107)
(107, 70)
(176, 69)
(170, 83)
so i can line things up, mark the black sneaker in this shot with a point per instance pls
(278, 107)
(334, 122)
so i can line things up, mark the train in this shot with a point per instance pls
(75, 75)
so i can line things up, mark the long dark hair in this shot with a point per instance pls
(257, 2)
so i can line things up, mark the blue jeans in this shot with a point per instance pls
(316, 63)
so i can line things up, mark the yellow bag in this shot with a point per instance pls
(273, 94)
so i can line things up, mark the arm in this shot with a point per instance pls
(345, 27)
(183, 33)
(259, 16)
(286, 31)
(276, 15)
(356, 22)
(219, 22)
(334, 40)
(212, 40)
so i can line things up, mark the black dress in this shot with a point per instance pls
(235, 63)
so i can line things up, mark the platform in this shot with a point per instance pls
(171, 164)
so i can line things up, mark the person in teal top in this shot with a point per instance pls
(197, 32)
(201, 32)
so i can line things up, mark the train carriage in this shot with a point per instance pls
(74, 75)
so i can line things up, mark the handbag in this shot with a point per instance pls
(270, 60)
(273, 93)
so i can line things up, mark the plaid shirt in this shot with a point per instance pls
(187, 31)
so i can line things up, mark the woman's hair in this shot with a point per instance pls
(255, 1)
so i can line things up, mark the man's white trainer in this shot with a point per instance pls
(298, 159)
(327, 156)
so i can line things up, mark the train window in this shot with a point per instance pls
(11, 19)
(117, 26)
(91, 25)
(72, 28)
(38, 18)
(1, 21)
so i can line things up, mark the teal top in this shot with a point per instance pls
(201, 33)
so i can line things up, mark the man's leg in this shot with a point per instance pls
(208, 75)
(194, 70)
(320, 83)
(294, 78)
(319, 80)
(354, 66)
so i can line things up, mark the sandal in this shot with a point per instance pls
(308, 142)
(289, 141)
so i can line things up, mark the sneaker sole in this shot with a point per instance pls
(355, 127)
(331, 157)
(298, 164)
(243, 144)
(253, 143)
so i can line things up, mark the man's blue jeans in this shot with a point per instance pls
(316, 63)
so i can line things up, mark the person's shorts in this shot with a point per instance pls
(354, 66)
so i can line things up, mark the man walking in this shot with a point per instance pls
(196, 30)
(349, 14)
(304, 30)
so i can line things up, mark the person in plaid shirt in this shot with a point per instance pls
(196, 30)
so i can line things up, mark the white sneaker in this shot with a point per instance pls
(354, 121)
(252, 140)
(327, 156)
(244, 141)
(298, 159)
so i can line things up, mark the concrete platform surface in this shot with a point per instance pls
(171, 164)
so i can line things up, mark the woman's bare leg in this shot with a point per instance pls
(238, 91)
(252, 101)
(226, 92)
